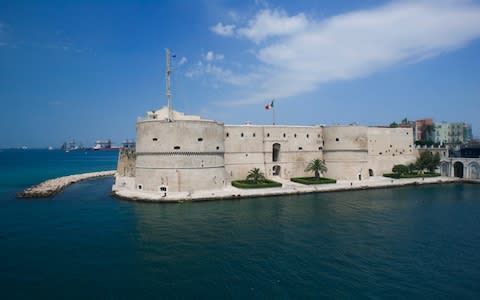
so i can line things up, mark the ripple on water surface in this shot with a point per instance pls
(412, 242)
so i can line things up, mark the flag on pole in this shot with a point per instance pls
(269, 105)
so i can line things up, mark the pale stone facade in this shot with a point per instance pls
(191, 153)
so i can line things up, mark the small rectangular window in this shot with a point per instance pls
(176, 147)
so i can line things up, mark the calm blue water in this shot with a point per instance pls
(405, 243)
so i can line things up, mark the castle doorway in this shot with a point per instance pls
(276, 152)
(276, 170)
(458, 169)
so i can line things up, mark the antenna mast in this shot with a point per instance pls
(169, 92)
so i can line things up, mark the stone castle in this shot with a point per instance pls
(182, 153)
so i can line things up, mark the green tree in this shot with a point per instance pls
(412, 167)
(434, 163)
(428, 161)
(255, 176)
(400, 169)
(316, 166)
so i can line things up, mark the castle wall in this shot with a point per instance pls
(388, 147)
(346, 152)
(184, 155)
(248, 146)
(192, 154)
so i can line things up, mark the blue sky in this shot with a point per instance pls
(85, 70)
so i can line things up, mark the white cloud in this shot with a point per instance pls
(210, 56)
(307, 53)
(225, 30)
(182, 61)
(269, 23)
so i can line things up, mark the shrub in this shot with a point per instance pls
(313, 180)
(400, 169)
(244, 184)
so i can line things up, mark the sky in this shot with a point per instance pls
(86, 70)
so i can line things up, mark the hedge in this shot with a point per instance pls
(313, 180)
(244, 184)
(416, 175)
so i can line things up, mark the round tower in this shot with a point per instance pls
(346, 152)
(183, 155)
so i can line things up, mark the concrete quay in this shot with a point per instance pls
(288, 188)
(53, 186)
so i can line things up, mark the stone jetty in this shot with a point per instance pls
(53, 186)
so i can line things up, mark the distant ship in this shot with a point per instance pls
(70, 146)
(104, 145)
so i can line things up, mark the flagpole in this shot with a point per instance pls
(273, 112)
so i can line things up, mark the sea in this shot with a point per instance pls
(418, 242)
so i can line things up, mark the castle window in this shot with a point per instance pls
(140, 187)
(300, 148)
(284, 135)
(218, 147)
(295, 135)
(241, 134)
(254, 134)
(337, 139)
(154, 139)
(308, 136)
(320, 148)
(228, 134)
(200, 139)
(390, 146)
(176, 147)
(268, 134)
(318, 135)
(407, 133)
(380, 153)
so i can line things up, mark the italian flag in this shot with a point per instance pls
(269, 105)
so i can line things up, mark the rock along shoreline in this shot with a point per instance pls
(54, 186)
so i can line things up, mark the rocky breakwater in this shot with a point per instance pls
(53, 186)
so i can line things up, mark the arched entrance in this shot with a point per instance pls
(370, 172)
(276, 152)
(474, 170)
(276, 170)
(458, 169)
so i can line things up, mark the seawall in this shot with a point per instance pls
(51, 187)
(288, 188)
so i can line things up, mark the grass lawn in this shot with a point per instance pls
(313, 180)
(244, 184)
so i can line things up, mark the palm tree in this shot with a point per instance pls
(255, 175)
(317, 166)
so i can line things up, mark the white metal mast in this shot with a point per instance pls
(169, 92)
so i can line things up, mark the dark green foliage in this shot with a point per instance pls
(413, 175)
(313, 180)
(317, 166)
(428, 161)
(255, 176)
(244, 184)
(400, 169)
(393, 125)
